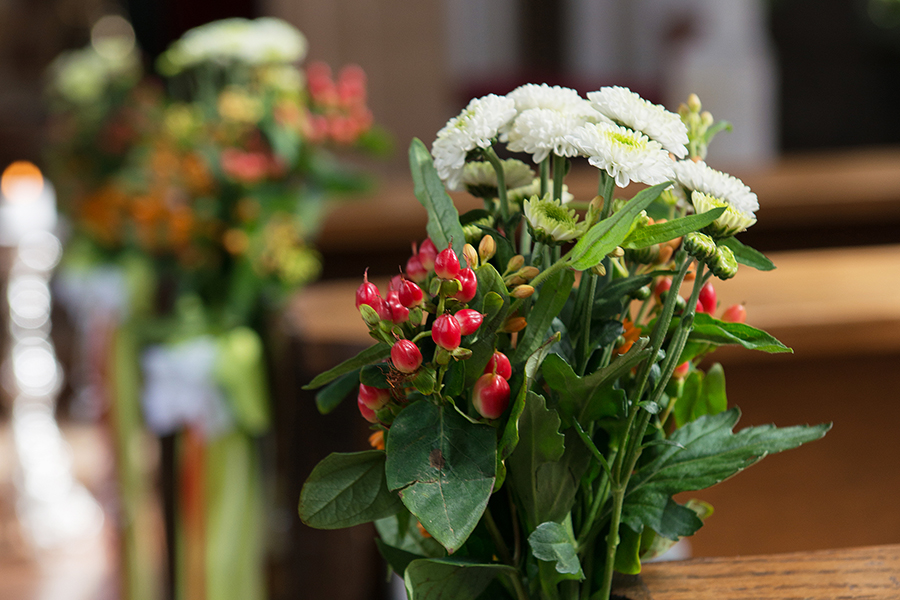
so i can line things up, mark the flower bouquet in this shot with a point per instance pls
(537, 389)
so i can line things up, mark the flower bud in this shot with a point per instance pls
(522, 291)
(427, 254)
(469, 320)
(693, 103)
(446, 264)
(682, 370)
(599, 270)
(373, 397)
(450, 287)
(367, 293)
(618, 252)
(515, 263)
(487, 248)
(736, 313)
(490, 395)
(471, 255)
(499, 365)
(369, 315)
(446, 332)
(699, 245)
(406, 356)
(514, 324)
(723, 264)
(468, 285)
(528, 273)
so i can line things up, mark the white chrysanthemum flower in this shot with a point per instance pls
(627, 108)
(624, 154)
(551, 222)
(520, 194)
(731, 222)
(474, 127)
(532, 95)
(540, 131)
(698, 176)
(480, 178)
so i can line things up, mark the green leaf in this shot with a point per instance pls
(444, 467)
(443, 218)
(709, 453)
(346, 490)
(551, 298)
(628, 552)
(376, 353)
(333, 394)
(397, 558)
(708, 329)
(398, 532)
(448, 579)
(642, 237)
(553, 542)
(602, 238)
(702, 395)
(375, 375)
(748, 256)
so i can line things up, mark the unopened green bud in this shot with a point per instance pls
(369, 315)
(699, 245)
(442, 357)
(487, 248)
(723, 264)
(644, 256)
(693, 103)
(599, 270)
(642, 293)
(528, 273)
(471, 255)
(618, 252)
(515, 263)
(461, 353)
(706, 119)
(450, 287)
(522, 291)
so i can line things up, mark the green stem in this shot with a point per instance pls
(521, 594)
(501, 183)
(586, 323)
(559, 172)
(588, 570)
(606, 186)
(612, 542)
(545, 176)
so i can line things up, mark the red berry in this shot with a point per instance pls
(446, 264)
(663, 286)
(468, 285)
(399, 313)
(396, 281)
(490, 396)
(383, 309)
(427, 253)
(469, 320)
(446, 332)
(415, 270)
(699, 307)
(406, 356)
(410, 294)
(499, 364)
(367, 413)
(736, 313)
(373, 397)
(708, 298)
(368, 293)
(682, 370)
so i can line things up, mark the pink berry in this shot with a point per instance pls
(736, 313)
(396, 281)
(410, 294)
(499, 365)
(490, 396)
(469, 320)
(383, 309)
(372, 397)
(468, 285)
(368, 293)
(446, 332)
(446, 264)
(427, 253)
(406, 356)
(367, 413)
(399, 313)
(708, 298)
(415, 270)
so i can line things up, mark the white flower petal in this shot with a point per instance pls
(698, 176)
(624, 154)
(627, 108)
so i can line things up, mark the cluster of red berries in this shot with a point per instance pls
(338, 111)
(405, 310)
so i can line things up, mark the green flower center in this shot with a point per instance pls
(557, 213)
(623, 139)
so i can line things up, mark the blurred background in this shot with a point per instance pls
(811, 88)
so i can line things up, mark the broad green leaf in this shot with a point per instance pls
(444, 468)
(375, 375)
(628, 552)
(399, 532)
(551, 298)
(448, 579)
(654, 545)
(584, 397)
(612, 298)
(602, 238)
(709, 452)
(397, 558)
(702, 395)
(443, 218)
(554, 543)
(371, 355)
(663, 232)
(346, 490)
(333, 394)
(748, 256)
(708, 329)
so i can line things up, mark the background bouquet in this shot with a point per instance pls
(538, 400)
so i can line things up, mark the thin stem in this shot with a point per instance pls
(559, 172)
(612, 542)
(501, 183)
(606, 186)
(586, 323)
(545, 176)
(521, 594)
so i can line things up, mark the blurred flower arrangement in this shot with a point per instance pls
(537, 388)
(201, 192)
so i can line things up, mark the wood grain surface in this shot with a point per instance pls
(856, 574)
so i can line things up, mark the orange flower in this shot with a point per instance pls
(631, 334)
(376, 440)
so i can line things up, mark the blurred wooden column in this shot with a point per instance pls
(401, 46)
